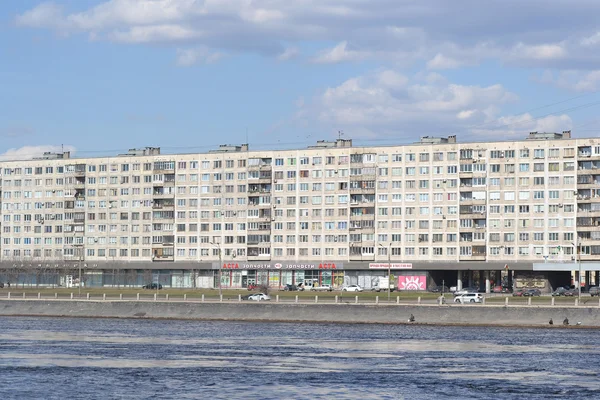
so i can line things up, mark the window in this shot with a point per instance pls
(538, 153)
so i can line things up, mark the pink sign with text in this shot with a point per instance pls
(412, 282)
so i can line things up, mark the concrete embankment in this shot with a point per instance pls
(342, 313)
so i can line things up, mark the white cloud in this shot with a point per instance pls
(466, 114)
(337, 54)
(29, 152)
(578, 81)
(440, 61)
(517, 126)
(386, 102)
(189, 57)
(155, 33)
(401, 31)
(288, 54)
(539, 52)
(45, 15)
(591, 40)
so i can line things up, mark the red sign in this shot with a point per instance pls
(231, 266)
(390, 266)
(326, 266)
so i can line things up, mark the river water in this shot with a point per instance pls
(63, 358)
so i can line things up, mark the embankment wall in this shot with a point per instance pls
(341, 313)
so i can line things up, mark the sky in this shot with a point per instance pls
(99, 77)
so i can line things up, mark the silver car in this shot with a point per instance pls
(469, 298)
(259, 297)
(352, 288)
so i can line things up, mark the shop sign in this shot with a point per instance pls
(416, 282)
(392, 266)
(276, 266)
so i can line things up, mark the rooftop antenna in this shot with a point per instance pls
(340, 134)
(247, 136)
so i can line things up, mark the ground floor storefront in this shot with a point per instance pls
(277, 276)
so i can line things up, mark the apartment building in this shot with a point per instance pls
(433, 205)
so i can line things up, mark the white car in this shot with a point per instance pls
(352, 288)
(465, 291)
(469, 298)
(259, 297)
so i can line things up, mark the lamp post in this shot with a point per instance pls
(389, 268)
(578, 260)
(579, 267)
(79, 285)
(81, 248)
(218, 246)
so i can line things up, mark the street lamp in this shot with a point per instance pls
(578, 259)
(389, 268)
(82, 249)
(218, 246)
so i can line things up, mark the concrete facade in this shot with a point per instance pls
(434, 205)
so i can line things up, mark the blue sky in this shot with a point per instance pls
(104, 76)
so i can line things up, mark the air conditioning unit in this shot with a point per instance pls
(560, 206)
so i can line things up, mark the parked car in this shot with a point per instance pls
(352, 288)
(466, 291)
(594, 291)
(258, 297)
(532, 292)
(152, 286)
(560, 291)
(498, 289)
(571, 292)
(290, 288)
(519, 292)
(469, 298)
(325, 288)
(439, 289)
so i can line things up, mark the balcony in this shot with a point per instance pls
(362, 217)
(470, 201)
(255, 189)
(162, 195)
(162, 205)
(261, 218)
(79, 170)
(589, 197)
(264, 166)
(588, 167)
(589, 239)
(591, 211)
(160, 254)
(259, 204)
(361, 190)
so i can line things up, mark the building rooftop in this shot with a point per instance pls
(320, 144)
